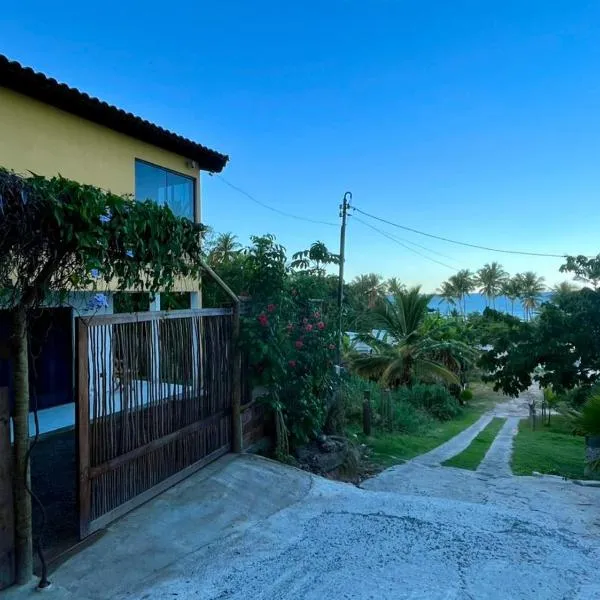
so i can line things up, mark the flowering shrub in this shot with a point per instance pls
(291, 354)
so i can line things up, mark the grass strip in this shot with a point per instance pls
(471, 457)
(389, 449)
(550, 449)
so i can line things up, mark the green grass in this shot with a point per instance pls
(471, 456)
(388, 449)
(550, 449)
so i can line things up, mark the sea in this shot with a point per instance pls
(477, 303)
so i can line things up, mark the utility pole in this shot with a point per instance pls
(344, 206)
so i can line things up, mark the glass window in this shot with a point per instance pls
(165, 187)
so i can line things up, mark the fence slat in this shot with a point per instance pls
(161, 389)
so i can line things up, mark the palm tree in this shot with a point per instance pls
(512, 288)
(448, 294)
(408, 350)
(225, 248)
(367, 287)
(393, 286)
(490, 279)
(562, 290)
(532, 288)
(464, 283)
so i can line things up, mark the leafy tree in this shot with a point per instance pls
(559, 349)
(490, 278)
(57, 236)
(315, 259)
(407, 350)
(585, 269)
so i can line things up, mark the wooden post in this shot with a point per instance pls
(23, 523)
(82, 428)
(236, 399)
(367, 413)
(236, 396)
(389, 409)
(532, 415)
(7, 520)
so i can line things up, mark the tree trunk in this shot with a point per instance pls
(23, 526)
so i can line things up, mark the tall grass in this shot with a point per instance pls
(405, 410)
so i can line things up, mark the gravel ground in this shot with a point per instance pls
(348, 543)
(417, 531)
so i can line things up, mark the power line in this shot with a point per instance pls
(444, 239)
(397, 241)
(272, 208)
(424, 248)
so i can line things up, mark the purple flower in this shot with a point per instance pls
(129, 253)
(95, 274)
(106, 217)
(97, 302)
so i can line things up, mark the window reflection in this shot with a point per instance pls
(165, 187)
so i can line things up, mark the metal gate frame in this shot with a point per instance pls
(87, 472)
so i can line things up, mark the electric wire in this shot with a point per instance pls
(272, 208)
(397, 241)
(451, 241)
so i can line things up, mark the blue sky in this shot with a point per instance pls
(475, 120)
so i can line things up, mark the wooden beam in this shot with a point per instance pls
(236, 399)
(82, 428)
(140, 317)
(116, 462)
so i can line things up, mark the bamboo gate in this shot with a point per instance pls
(158, 397)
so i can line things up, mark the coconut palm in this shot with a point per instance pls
(562, 290)
(490, 279)
(403, 348)
(448, 294)
(464, 283)
(532, 288)
(393, 286)
(512, 288)
(366, 288)
(225, 248)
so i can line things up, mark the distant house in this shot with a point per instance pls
(49, 128)
(362, 347)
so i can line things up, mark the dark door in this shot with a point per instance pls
(51, 352)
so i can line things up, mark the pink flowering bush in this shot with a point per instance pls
(288, 339)
(292, 355)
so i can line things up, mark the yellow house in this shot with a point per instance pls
(49, 128)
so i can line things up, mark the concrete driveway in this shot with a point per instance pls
(250, 528)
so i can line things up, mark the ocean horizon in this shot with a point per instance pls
(477, 303)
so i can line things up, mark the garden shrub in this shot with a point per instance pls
(406, 417)
(434, 399)
(466, 396)
(409, 418)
